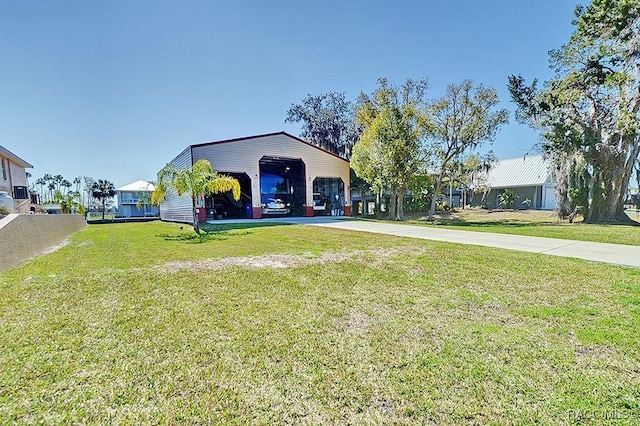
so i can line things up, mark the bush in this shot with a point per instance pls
(507, 199)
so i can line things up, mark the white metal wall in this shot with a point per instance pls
(178, 208)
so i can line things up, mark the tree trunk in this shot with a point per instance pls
(400, 194)
(196, 219)
(363, 202)
(393, 203)
(103, 205)
(432, 210)
(609, 210)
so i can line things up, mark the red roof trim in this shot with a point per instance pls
(266, 135)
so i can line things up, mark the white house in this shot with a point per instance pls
(529, 177)
(13, 180)
(130, 195)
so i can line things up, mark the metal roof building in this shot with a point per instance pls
(279, 175)
(519, 172)
(529, 177)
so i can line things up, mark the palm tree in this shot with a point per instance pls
(41, 182)
(51, 187)
(47, 181)
(199, 179)
(102, 189)
(58, 179)
(67, 185)
(86, 190)
(144, 199)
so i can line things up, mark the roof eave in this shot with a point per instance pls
(19, 161)
(283, 133)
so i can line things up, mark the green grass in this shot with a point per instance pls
(130, 324)
(534, 223)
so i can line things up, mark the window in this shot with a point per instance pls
(20, 193)
(4, 168)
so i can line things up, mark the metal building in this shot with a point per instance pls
(279, 175)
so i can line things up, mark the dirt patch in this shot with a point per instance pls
(278, 261)
(57, 247)
(357, 322)
(273, 261)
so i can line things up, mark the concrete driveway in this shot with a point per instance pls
(599, 252)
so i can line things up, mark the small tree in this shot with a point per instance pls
(103, 190)
(199, 179)
(507, 199)
(67, 203)
(390, 150)
(421, 187)
(144, 199)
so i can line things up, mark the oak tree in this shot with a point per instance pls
(588, 112)
(463, 119)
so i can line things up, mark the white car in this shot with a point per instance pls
(275, 206)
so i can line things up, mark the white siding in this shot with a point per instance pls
(16, 175)
(178, 208)
(243, 156)
(549, 201)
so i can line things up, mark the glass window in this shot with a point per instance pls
(274, 186)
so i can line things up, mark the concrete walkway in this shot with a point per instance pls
(617, 254)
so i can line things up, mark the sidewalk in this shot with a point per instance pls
(617, 254)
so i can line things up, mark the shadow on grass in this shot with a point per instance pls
(481, 224)
(448, 219)
(216, 232)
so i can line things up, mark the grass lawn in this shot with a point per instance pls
(134, 324)
(534, 223)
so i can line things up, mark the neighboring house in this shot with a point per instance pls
(279, 174)
(133, 194)
(529, 177)
(13, 180)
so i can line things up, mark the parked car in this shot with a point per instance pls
(275, 206)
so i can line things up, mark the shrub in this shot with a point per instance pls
(507, 199)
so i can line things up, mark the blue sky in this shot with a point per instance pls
(115, 89)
